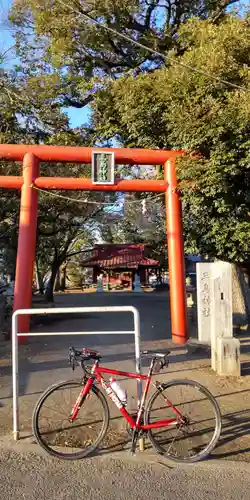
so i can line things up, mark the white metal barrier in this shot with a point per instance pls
(65, 310)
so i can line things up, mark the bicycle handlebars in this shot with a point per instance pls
(77, 357)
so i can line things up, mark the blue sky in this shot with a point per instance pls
(77, 116)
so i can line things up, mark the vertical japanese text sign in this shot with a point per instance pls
(204, 300)
(103, 167)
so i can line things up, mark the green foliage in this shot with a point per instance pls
(141, 100)
(175, 107)
(56, 40)
(63, 224)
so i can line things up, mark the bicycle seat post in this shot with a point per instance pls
(151, 367)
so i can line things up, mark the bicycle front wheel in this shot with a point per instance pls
(53, 429)
(193, 438)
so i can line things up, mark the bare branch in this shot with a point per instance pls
(221, 9)
(67, 101)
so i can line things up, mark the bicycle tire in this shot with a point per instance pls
(217, 431)
(90, 449)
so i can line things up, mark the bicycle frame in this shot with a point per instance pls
(97, 373)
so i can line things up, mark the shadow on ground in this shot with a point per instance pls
(27, 366)
(235, 426)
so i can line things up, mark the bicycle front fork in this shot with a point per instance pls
(81, 398)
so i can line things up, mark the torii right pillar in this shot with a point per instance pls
(176, 260)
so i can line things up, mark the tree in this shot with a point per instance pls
(62, 233)
(67, 221)
(175, 107)
(67, 54)
(11, 130)
(27, 118)
(143, 100)
(141, 218)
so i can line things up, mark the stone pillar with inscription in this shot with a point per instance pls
(225, 349)
(215, 316)
(204, 271)
(222, 310)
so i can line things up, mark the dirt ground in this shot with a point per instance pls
(43, 361)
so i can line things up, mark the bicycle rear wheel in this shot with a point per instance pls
(53, 429)
(193, 440)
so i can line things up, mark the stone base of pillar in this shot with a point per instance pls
(228, 357)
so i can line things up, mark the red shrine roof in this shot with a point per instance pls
(119, 256)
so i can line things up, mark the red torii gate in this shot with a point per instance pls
(32, 155)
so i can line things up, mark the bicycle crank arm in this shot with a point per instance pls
(134, 441)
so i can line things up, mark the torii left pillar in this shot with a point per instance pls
(26, 242)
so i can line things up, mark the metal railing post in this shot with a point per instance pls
(65, 310)
(137, 351)
(138, 364)
(15, 377)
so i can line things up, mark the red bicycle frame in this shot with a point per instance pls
(96, 373)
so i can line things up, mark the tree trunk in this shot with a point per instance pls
(57, 281)
(241, 297)
(49, 293)
(39, 280)
(63, 278)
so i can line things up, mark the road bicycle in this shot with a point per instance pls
(81, 412)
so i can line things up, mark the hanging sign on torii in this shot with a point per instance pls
(103, 167)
